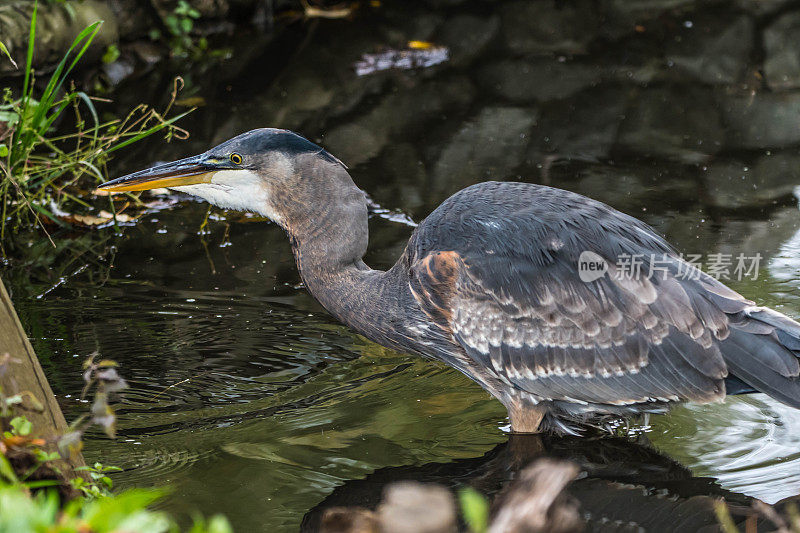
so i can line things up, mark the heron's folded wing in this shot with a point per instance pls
(615, 340)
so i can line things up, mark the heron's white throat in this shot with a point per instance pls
(241, 190)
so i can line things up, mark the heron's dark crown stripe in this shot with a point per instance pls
(283, 141)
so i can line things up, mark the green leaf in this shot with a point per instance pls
(4, 50)
(3, 150)
(475, 509)
(112, 54)
(9, 117)
(119, 512)
(7, 471)
(13, 400)
(21, 425)
(219, 524)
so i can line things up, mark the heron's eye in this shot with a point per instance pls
(236, 159)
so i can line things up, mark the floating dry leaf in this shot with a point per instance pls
(103, 217)
(333, 12)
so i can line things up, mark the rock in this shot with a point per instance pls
(649, 9)
(680, 123)
(489, 146)
(317, 86)
(365, 137)
(713, 49)
(729, 184)
(135, 18)
(762, 120)
(623, 188)
(777, 175)
(438, 4)
(147, 52)
(355, 143)
(537, 79)
(547, 26)
(623, 16)
(581, 127)
(57, 25)
(629, 187)
(412, 23)
(466, 36)
(118, 71)
(762, 7)
(782, 60)
(733, 184)
(404, 175)
(632, 61)
(412, 507)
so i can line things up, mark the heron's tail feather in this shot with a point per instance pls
(762, 350)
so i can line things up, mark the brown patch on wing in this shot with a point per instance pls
(433, 284)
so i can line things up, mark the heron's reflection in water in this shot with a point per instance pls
(623, 485)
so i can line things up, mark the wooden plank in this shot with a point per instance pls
(25, 374)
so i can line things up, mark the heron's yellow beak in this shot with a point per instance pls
(189, 171)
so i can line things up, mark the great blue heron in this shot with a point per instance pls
(490, 284)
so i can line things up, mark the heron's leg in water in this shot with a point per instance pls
(525, 417)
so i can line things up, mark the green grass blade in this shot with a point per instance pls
(96, 171)
(55, 114)
(60, 75)
(146, 133)
(46, 212)
(88, 101)
(29, 57)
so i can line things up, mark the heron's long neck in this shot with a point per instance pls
(329, 247)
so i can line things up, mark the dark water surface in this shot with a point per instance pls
(248, 399)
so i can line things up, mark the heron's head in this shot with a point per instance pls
(268, 171)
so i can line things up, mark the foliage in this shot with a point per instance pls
(18, 437)
(98, 484)
(98, 510)
(39, 167)
(179, 25)
(126, 511)
(475, 509)
(111, 54)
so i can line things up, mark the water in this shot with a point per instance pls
(246, 398)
